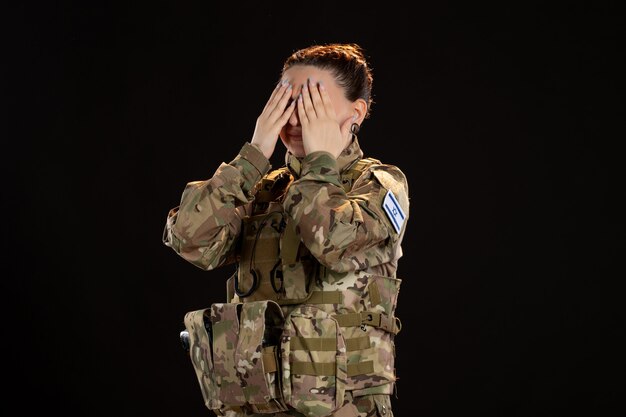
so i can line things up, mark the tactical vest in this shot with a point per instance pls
(293, 335)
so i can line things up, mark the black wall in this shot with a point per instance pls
(501, 117)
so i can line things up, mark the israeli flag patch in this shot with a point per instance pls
(394, 211)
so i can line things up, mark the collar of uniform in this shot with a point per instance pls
(347, 158)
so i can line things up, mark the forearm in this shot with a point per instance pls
(339, 229)
(205, 226)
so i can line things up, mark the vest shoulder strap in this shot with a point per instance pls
(273, 184)
(356, 170)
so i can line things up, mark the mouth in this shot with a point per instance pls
(295, 135)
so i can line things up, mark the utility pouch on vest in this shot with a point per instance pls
(376, 359)
(198, 325)
(314, 362)
(364, 307)
(236, 359)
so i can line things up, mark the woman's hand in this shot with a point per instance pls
(321, 130)
(272, 119)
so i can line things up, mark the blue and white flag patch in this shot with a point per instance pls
(394, 211)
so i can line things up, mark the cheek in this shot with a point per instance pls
(283, 136)
(344, 118)
(343, 111)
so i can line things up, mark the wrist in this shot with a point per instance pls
(265, 150)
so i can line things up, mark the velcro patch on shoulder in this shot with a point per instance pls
(396, 201)
(394, 211)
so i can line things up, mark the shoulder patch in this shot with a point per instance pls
(394, 211)
(396, 200)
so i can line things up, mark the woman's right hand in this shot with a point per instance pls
(272, 119)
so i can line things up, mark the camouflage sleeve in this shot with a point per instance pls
(203, 229)
(347, 231)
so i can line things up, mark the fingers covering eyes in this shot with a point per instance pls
(316, 99)
(307, 101)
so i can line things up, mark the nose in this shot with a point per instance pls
(293, 119)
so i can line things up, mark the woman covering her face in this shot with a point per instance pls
(308, 323)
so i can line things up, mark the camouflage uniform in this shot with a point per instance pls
(332, 291)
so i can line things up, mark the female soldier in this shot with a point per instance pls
(308, 327)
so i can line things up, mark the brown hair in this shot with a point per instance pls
(346, 61)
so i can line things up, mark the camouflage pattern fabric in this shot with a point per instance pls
(229, 362)
(357, 235)
(338, 291)
(314, 373)
(372, 405)
(201, 354)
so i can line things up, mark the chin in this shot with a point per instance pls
(295, 147)
(297, 151)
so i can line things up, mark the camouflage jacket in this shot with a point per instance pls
(348, 231)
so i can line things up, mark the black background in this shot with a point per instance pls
(502, 117)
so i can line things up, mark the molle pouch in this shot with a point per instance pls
(296, 267)
(376, 357)
(313, 355)
(245, 366)
(225, 331)
(256, 356)
(198, 325)
(383, 294)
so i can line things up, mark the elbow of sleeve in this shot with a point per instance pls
(327, 259)
(335, 261)
(172, 241)
(169, 239)
(331, 257)
(349, 249)
(177, 237)
(328, 248)
(205, 254)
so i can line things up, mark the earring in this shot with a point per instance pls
(354, 129)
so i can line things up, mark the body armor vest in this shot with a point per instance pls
(293, 335)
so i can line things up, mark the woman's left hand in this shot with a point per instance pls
(321, 131)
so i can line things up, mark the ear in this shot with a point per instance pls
(359, 110)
